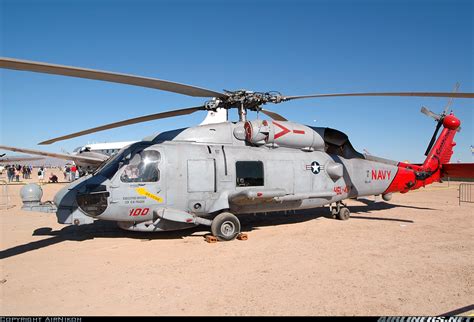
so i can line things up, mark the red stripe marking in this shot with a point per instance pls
(298, 132)
(285, 130)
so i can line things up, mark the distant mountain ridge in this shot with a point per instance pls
(45, 161)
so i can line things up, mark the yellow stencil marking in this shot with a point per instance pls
(144, 192)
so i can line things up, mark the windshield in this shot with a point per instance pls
(111, 166)
(142, 167)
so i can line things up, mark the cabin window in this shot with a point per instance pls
(142, 167)
(249, 173)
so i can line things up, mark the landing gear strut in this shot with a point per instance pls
(339, 211)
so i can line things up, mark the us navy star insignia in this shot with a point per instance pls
(315, 167)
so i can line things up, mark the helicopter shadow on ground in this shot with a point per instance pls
(253, 222)
(97, 229)
(249, 222)
(371, 205)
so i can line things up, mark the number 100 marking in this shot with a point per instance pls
(134, 212)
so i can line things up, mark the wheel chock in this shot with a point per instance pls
(242, 236)
(211, 239)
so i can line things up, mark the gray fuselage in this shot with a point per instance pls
(201, 171)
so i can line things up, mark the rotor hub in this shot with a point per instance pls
(244, 99)
(451, 122)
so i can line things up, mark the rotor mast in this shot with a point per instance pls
(242, 112)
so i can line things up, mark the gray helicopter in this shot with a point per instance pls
(212, 173)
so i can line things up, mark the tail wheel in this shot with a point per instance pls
(343, 214)
(225, 226)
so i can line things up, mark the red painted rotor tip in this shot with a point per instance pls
(451, 122)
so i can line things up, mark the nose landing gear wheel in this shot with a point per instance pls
(225, 226)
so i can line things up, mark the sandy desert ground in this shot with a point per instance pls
(410, 256)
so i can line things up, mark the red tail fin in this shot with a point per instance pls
(442, 150)
(410, 176)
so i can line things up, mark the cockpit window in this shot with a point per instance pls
(142, 167)
(110, 167)
(338, 143)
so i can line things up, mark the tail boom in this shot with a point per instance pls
(412, 176)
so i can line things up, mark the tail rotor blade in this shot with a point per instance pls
(455, 90)
(429, 113)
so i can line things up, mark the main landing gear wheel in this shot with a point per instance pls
(339, 211)
(225, 226)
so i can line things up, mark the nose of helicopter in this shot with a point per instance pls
(93, 201)
(92, 196)
(89, 194)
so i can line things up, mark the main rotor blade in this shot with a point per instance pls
(273, 115)
(419, 94)
(39, 67)
(54, 155)
(19, 159)
(135, 120)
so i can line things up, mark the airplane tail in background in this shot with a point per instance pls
(436, 166)
(458, 170)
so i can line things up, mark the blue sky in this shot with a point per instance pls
(295, 47)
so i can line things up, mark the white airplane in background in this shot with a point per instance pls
(87, 157)
(109, 148)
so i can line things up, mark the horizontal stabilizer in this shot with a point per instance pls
(458, 170)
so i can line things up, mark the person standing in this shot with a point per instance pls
(41, 175)
(10, 173)
(68, 173)
(73, 172)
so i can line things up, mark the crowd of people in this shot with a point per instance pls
(70, 173)
(16, 172)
